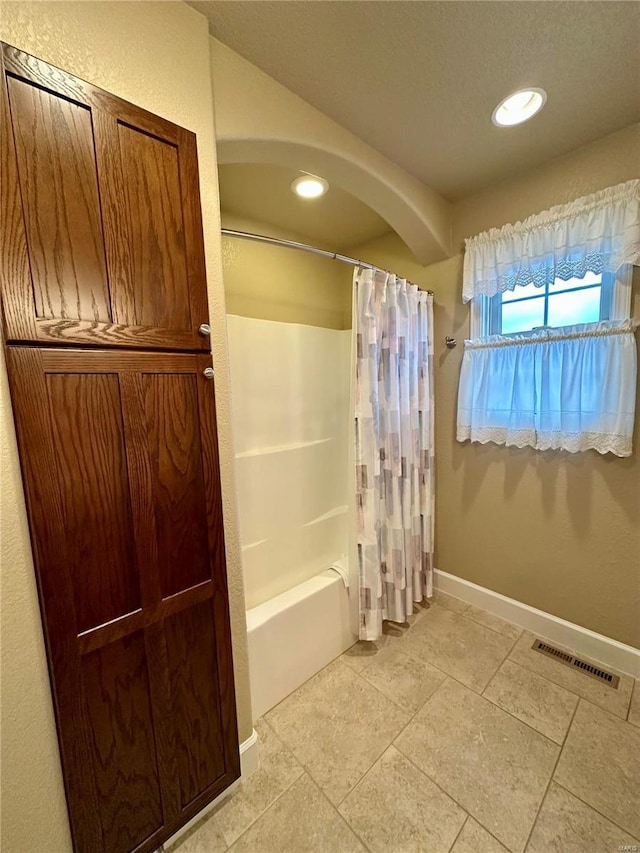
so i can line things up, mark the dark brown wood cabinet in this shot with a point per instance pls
(120, 464)
(100, 216)
(101, 248)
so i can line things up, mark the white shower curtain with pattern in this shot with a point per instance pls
(394, 451)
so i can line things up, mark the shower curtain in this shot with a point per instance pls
(393, 328)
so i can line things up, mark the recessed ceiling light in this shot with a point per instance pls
(309, 186)
(519, 107)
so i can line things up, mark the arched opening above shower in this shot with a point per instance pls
(420, 216)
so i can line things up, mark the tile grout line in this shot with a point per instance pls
(308, 770)
(462, 684)
(525, 665)
(481, 694)
(265, 810)
(524, 722)
(455, 840)
(489, 628)
(593, 808)
(548, 785)
(634, 687)
(269, 807)
(577, 796)
(337, 811)
(447, 794)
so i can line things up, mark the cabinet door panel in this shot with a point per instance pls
(109, 199)
(57, 174)
(154, 211)
(172, 421)
(129, 556)
(193, 673)
(116, 684)
(92, 476)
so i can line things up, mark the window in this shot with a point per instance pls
(553, 366)
(589, 299)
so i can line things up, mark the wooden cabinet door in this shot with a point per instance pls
(101, 226)
(120, 465)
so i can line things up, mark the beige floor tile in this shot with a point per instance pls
(533, 699)
(475, 839)
(448, 601)
(407, 681)
(507, 629)
(494, 766)
(614, 700)
(567, 825)
(205, 837)
(362, 654)
(301, 821)
(277, 771)
(397, 808)
(600, 763)
(463, 649)
(337, 725)
(634, 708)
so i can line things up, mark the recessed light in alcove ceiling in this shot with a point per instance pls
(309, 186)
(262, 192)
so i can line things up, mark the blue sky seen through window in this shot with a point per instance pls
(563, 303)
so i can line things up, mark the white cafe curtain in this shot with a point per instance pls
(596, 233)
(572, 388)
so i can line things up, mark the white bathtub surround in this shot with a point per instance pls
(581, 641)
(294, 635)
(290, 400)
(394, 448)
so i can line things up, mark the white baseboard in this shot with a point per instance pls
(249, 761)
(249, 755)
(580, 640)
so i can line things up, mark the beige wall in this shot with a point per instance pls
(274, 283)
(157, 56)
(560, 532)
(609, 161)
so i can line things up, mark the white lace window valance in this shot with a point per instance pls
(572, 389)
(597, 233)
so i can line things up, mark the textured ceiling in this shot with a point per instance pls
(418, 80)
(261, 191)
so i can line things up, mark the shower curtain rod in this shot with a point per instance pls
(303, 247)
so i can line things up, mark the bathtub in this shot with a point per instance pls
(294, 635)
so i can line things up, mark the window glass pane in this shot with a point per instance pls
(522, 316)
(521, 291)
(567, 309)
(590, 278)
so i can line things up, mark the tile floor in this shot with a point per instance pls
(448, 735)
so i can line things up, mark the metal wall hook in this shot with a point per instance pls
(450, 343)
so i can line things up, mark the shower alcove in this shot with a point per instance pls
(289, 331)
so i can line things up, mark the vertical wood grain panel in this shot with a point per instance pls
(192, 212)
(193, 673)
(157, 241)
(57, 173)
(172, 422)
(92, 475)
(29, 397)
(18, 312)
(114, 218)
(117, 688)
(213, 497)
